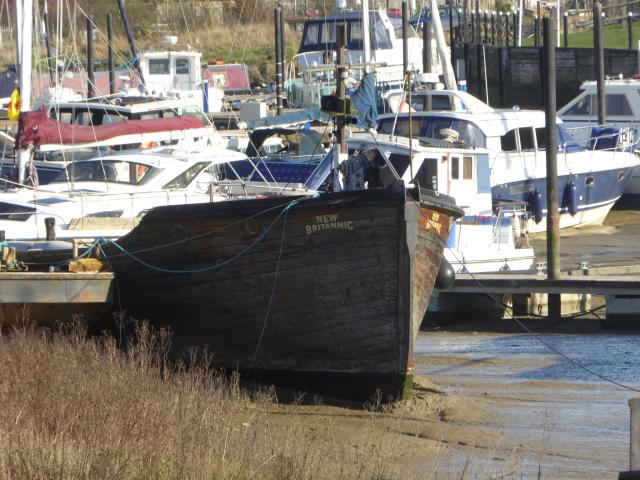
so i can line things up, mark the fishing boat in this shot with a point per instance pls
(590, 181)
(322, 293)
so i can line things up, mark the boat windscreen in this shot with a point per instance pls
(116, 171)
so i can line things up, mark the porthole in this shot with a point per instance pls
(589, 181)
(620, 176)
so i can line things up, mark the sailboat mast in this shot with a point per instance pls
(24, 16)
(366, 39)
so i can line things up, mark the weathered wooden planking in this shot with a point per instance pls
(354, 276)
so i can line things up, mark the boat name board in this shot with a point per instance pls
(329, 222)
(432, 220)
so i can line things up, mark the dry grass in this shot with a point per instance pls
(77, 407)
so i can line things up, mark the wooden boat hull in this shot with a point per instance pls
(323, 293)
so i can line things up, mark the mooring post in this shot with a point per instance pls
(479, 48)
(630, 29)
(499, 25)
(91, 79)
(599, 60)
(283, 57)
(112, 70)
(565, 28)
(478, 27)
(536, 32)
(50, 228)
(341, 90)
(278, 38)
(634, 443)
(465, 22)
(515, 28)
(553, 217)
(426, 54)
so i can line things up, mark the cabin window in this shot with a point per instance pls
(467, 168)
(541, 138)
(311, 34)
(427, 176)
(527, 141)
(328, 33)
(185, 178)
(108, 119)
(455, 168)
(159, 66)
(440, 102)
(104, 170)
(617, 104)
(355, 35)
(508, 141)
(380, 39)
(581, 107)
(9, 211)
(182, 66)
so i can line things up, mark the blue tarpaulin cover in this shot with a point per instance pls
(364, 102)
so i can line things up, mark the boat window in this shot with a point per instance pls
(467, 168)
(427, 176)
(19, 213)
(108, 119)
(527, 141)
(159, 66)
(440, 102)
(182, 66)
(508, 141)
(455, 168)
(617, 104)
(355, 35)
(185, 178)
(541, 138)
(582, 106)
(380, 39)
(328, 33)
(117, 171)
(311, 32)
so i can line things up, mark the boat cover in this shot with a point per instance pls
(364, 102)
(36, 128)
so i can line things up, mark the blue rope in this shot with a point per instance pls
(224, 263)
(273, 292)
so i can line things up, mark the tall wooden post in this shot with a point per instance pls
(599, 60)
(91, 79)
(278, 39)
(553, 216)
(341, 93)
(112, 70)
(630, 29)
(486, 27)
(565, 28)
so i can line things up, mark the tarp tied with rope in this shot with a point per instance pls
(364, 102)
(36, 128)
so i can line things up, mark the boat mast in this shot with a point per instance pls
(24, 22)
(366, 39)
(445, 59)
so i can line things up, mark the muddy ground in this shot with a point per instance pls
(493, 401)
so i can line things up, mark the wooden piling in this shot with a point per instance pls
(405, 40)
(278, 39)
(565, 29)
(91, 79)
(112, 70)
(553, 216)
(630, 29)
(599, 60)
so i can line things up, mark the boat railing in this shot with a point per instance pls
(510, 224)
(605, 137)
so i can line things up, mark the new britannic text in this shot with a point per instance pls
(328, 222)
